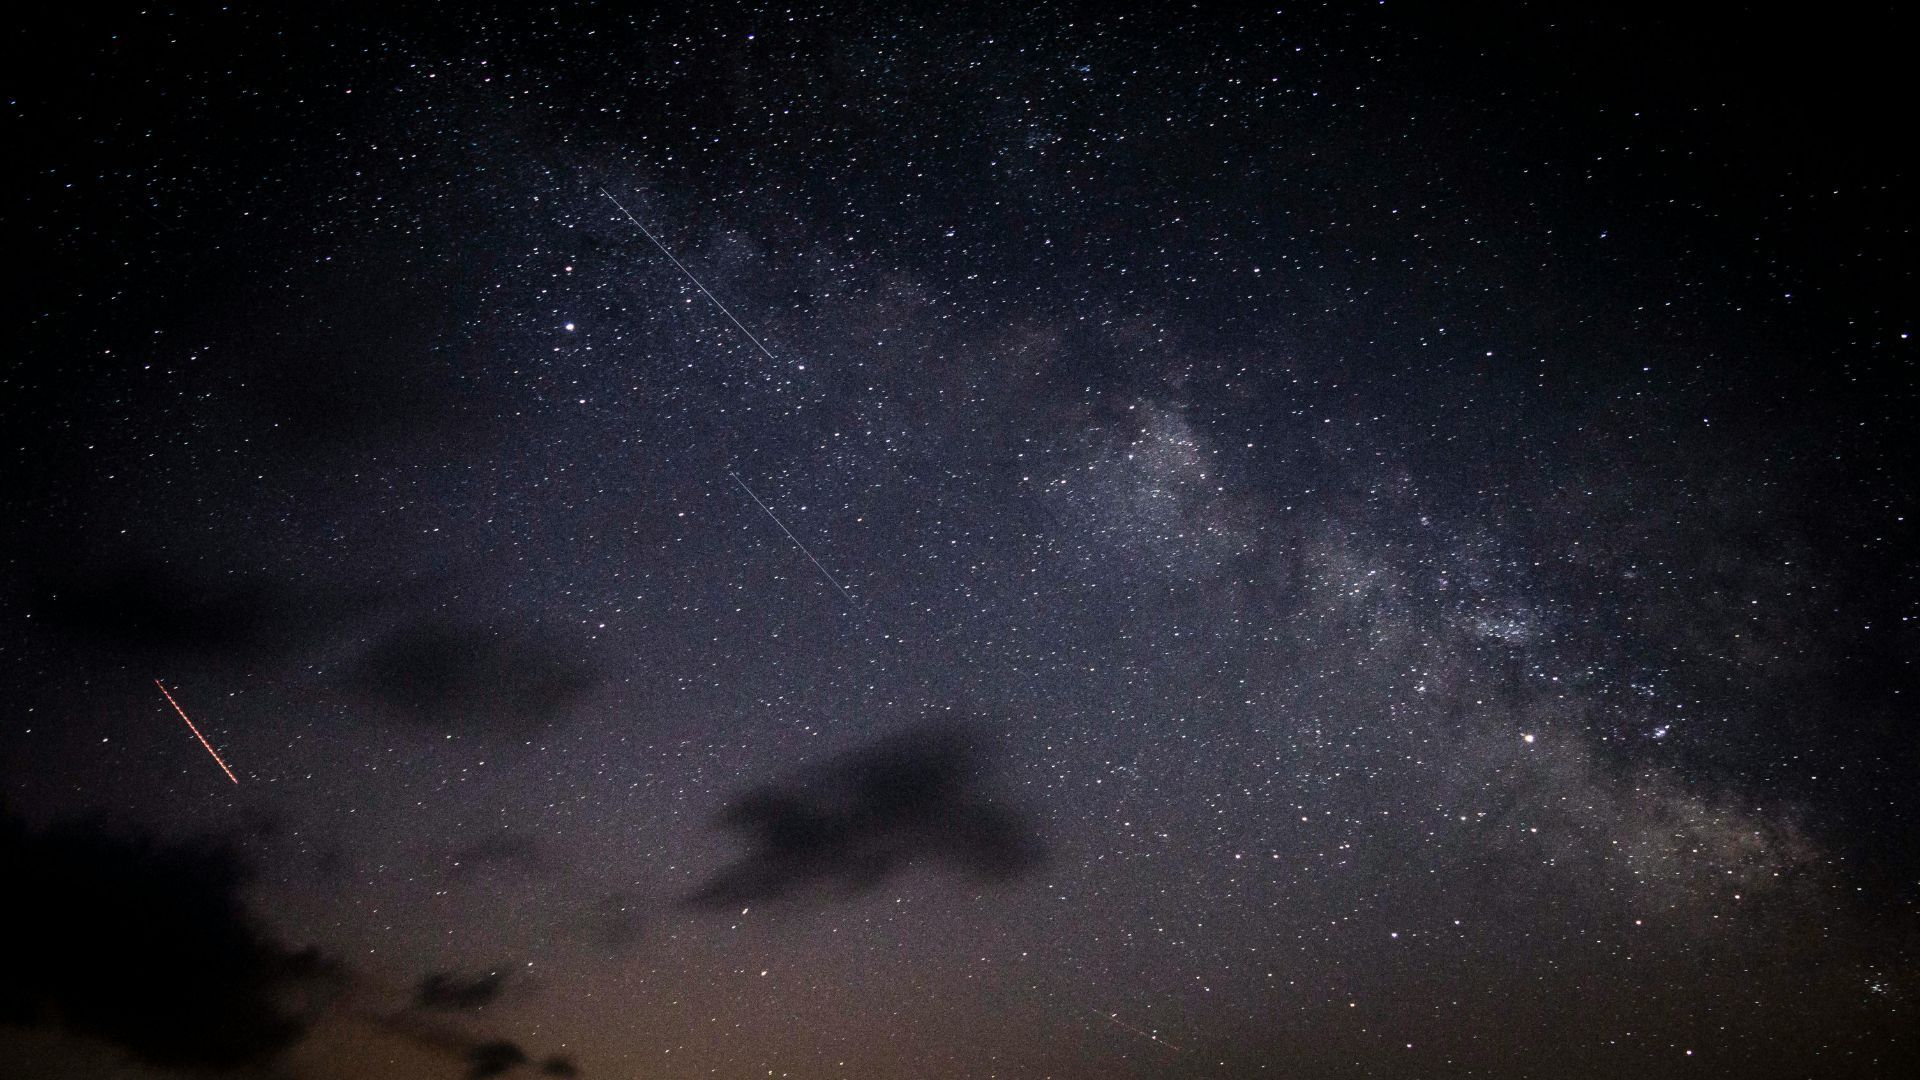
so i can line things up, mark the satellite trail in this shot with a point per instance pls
(196, 731)
(1135, 1030)
(742, 327)
(690, 277)
(831, 580)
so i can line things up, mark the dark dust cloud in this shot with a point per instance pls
(860, 821)
(455, 992)
(1339, 540)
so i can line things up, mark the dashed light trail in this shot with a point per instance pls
(196, 731)
(1137, 1031)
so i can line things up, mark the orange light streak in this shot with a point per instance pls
(196, 731)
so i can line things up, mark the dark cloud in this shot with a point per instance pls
(484, 1053)
(494, 1059)
(498, 846)
(469, 676)
(153, 608)
(856, 821)
(147, 947)
(454, 992)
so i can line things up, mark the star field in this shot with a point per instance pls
(1012, 542)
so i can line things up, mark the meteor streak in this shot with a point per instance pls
(696, 281)
(196, 731)
(796, 542)
(1135, 1030)
(742, 327)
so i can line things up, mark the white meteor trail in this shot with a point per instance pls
(796, 542)
(696, 281)
(196, 731)
(1137, 1031)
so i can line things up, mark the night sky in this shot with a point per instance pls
(996, 540)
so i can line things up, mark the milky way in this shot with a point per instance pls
(1350, 542)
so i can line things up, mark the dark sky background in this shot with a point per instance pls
(1365, 541)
